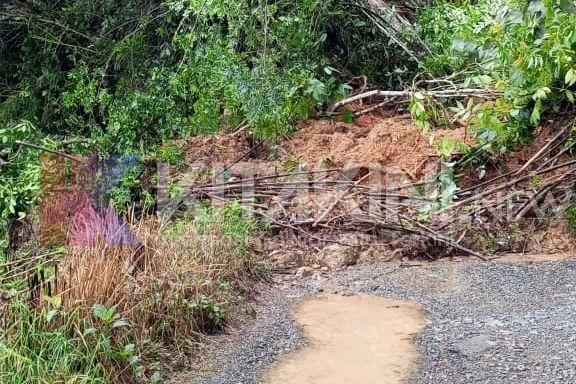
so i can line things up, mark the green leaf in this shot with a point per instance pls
(99, 310)
(156, 377)
(128, 349)
(569, 96)
(51, 314)
(120, 323)
(348, 116)
(570, 77)
(535, 115)
(54, 301)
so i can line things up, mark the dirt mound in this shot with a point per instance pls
(557, 237)
(300, 184)
(386, 142)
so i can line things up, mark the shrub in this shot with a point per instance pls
(523, 48)
(570, 215)
(46, 346)
(116, 310)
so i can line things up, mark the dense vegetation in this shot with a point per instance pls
(127, 76)
(131, 74)
(524, 49)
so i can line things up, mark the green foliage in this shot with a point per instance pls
(448, 146)
(19, 175)
(185, 67)
(233, 220)
(426, 111)
(357, 46)
(170, 153)
(133, 74)
(443, 194)
(570, 215)
(525, 49)
(55, 347)
(130, 192)
(213, 311)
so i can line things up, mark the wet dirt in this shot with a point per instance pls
(354, 339)
(385, 142)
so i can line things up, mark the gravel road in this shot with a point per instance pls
(488, 322)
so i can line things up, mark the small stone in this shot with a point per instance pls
(280, 259)
(337, 256)
(304, 271)
(473, 346)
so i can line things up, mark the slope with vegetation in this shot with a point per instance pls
(131, 76)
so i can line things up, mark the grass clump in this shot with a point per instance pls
(117, 313)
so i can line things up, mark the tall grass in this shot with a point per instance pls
(34, 349)
(137, 302)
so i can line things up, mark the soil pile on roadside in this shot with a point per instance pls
(385, 142)
(310, 207)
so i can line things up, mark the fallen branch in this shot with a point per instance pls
(531, 204)
(447, 93)
(340, 197)
(504, 186)
(374, 107)
(30, 145)
(433, 235)
(544, 148)
(312, 236)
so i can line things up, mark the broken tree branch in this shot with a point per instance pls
(30, 145)
(544, 148)
(447, 93)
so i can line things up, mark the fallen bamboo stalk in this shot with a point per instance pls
(504, 186)
(430, 233)
(268, 177)
(538, 196)
(34, 258)
(312, 236)
(62, 154)
(340, 197)
(544, 148)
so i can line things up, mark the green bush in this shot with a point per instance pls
(51, 346)
(525, 49)
(132, 74)
(181, 68)
(570, 215)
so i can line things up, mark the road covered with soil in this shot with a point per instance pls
(506, 321)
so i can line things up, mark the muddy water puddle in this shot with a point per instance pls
(353, 339)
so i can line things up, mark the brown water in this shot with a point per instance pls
(353, 340)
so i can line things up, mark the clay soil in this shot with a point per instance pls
(392, 143)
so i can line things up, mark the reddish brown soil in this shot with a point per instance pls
(557, 237)
(396, 147)
(370, 141)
